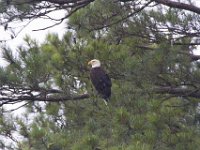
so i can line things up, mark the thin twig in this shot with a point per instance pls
(6, 111)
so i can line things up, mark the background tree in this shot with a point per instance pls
(147, 50)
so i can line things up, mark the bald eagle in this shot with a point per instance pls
(100, 79)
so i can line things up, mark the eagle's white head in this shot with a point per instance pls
(95, 63)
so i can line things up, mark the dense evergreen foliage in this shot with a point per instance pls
(148, 54)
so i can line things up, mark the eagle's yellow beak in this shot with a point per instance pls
(90, 63)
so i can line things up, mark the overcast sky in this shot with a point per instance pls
(28, 30)
(34, 25)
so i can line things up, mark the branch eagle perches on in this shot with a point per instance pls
(13, 95)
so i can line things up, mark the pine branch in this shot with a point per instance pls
(8, 55)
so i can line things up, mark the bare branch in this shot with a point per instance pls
(178, 91)
(5, 111)
(62, 19)
(179, 5)
(194, 57)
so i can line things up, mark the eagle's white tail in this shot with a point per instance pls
(105, 102)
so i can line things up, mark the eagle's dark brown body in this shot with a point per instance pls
(101, 82)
